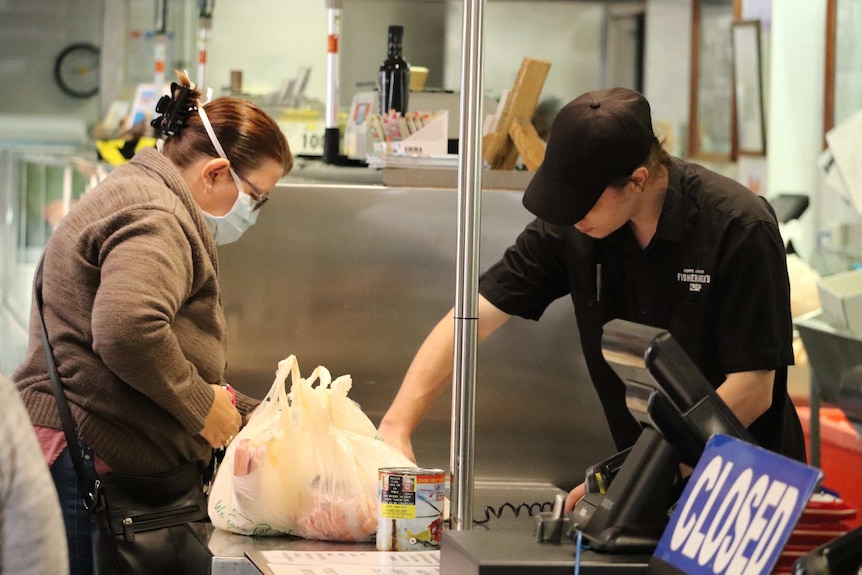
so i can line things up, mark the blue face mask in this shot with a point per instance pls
(230, 227)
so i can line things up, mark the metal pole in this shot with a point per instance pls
(467, 279)
(160, 44)
(332, 135)
(814, 422)
(204, 27)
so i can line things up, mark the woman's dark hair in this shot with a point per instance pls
(248, 135)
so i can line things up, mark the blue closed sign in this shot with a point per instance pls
(736, 512)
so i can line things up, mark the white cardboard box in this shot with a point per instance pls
(841, 300)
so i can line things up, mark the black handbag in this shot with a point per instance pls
(140, 523)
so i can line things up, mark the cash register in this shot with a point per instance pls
(626, 505)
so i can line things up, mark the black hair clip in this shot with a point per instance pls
(174, 110)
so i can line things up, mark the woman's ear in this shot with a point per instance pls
(212, 169)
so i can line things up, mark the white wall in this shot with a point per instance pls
(568, 34)
(668, 67)
(838, 221)
(293, 34)
(848, 59)
(366, 25)
(795, 129)
(32, 35)
(269, 41)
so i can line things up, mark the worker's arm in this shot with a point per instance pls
(429, 374)
(748, 394)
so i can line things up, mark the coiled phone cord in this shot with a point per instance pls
(530, 508)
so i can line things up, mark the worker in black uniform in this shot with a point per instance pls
(627, 231)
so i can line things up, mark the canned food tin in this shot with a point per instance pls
(410, 508)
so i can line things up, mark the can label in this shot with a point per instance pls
(410, 508)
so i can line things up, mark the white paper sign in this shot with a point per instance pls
(347, 562)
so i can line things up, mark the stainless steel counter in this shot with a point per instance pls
(228, 550)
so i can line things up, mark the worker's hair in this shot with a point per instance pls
(248, 135)
(657, 159)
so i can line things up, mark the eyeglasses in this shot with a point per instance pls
(259, 197)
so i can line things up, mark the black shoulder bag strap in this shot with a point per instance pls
(62, 405)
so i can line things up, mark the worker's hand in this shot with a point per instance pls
(398, 440)
(574, 496)
(223, 420)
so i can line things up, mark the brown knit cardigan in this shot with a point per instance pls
(134, 313)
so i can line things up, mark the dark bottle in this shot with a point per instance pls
(393, 80)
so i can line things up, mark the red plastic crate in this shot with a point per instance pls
(840, 455)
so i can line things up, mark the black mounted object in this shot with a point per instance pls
(789, 207)
(679, 411)
(842, 555)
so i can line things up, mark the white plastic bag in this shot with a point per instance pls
(255, 491)
(326, 453)
(340, 454)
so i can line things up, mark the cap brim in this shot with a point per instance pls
(557, 203)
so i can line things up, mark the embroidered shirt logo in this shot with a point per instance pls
(694, 278)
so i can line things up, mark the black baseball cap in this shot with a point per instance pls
(595, 140)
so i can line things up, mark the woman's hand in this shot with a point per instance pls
(222, 421)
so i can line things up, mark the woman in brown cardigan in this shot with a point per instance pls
(132, 301)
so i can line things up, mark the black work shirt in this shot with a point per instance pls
(714, 276)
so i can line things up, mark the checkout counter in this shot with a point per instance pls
(353, 277)
(502, 545)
